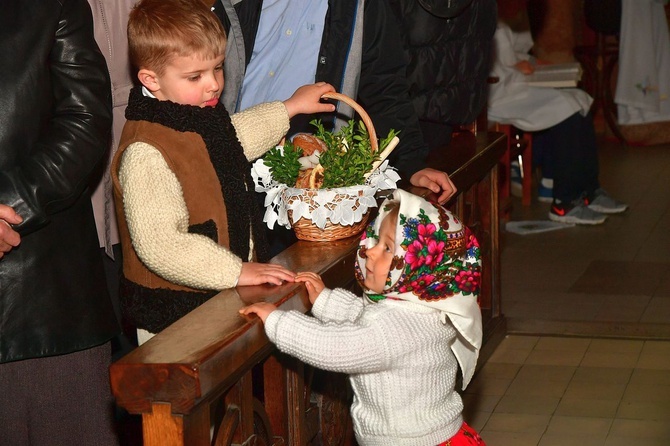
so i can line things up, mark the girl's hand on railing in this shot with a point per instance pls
(260, 309)
(313, 283)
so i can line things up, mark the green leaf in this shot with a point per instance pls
(284, 167)
(348, 157)
(345, 163)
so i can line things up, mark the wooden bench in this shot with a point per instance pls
(213, 364)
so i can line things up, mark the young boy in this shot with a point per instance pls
(185, 198)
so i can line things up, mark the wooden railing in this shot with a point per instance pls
(213, 378)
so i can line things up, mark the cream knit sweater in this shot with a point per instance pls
(398, 358)
(157, 215)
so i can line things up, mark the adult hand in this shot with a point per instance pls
(260, 309)
(307, 100)
(9, 238)
(436, 181)
(313, 283)
(258, 273)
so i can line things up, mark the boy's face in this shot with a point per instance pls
(379, 257)
(187, 80)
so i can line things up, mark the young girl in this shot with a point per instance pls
(420, 270)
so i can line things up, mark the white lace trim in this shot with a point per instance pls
(344, 206)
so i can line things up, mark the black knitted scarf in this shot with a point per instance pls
(213, 124)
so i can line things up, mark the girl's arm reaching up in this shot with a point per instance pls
(313, 283)
(336, 305)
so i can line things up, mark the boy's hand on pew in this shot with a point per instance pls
(259, 273)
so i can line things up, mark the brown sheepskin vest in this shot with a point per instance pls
(186, 155)
(200, 146)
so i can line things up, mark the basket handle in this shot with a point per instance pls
(374, 144)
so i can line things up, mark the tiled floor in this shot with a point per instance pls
(607, 280)
(587, 358)
(564, 391)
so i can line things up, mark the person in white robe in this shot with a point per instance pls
(564, 141)
(643, 82)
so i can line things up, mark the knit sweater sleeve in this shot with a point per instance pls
(338, 305)
(157, 219)
(261, 127)
(346, 347)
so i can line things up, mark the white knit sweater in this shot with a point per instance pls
(398, 358)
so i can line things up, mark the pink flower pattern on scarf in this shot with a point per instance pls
(434, 260)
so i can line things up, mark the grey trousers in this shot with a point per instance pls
(59, 400)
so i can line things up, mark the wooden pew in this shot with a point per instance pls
(214, 365)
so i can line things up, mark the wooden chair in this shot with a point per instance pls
(518, 144)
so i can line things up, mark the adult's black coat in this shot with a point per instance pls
(55, 119)
(448, 46)
(361, 56)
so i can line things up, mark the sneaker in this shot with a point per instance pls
(603, 203)
(576, 213)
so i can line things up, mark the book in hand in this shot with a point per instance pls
(563, 75)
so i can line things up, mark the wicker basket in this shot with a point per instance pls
(306, 229)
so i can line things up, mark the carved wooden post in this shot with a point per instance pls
(284, 389)
(162, 428)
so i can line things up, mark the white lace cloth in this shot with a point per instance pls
(344, 206)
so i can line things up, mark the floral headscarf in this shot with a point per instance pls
(436, 264)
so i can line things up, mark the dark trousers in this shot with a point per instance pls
(124, 342)
(60, 400)
(568, 153)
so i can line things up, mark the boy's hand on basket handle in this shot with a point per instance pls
(259, 273)
(436, 181)
(307, 100)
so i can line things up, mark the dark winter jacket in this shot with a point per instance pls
(55, 119)
(361, 56)
(448, 45)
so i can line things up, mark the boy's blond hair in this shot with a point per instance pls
(159, 30)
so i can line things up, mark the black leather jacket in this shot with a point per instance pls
(55, 119)
(448, 45)
(382, 88)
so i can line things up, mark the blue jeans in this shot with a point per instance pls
(568, 153)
